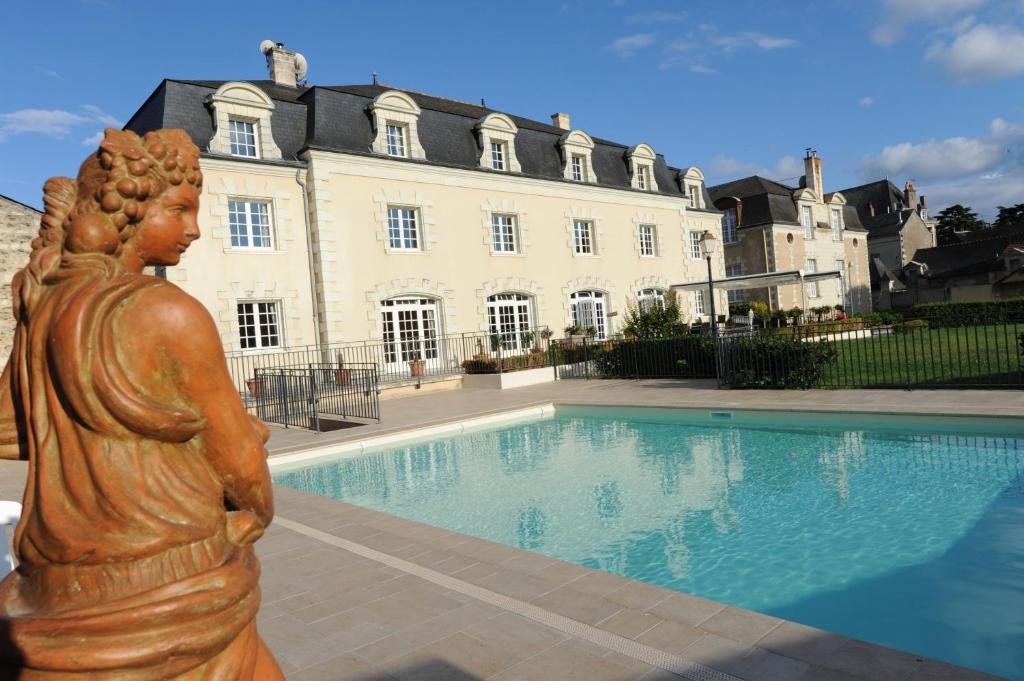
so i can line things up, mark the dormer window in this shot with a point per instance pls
(641, 167)
(242, 137)
(396, 140)
(241, 122)
(691, 196)
(836, 223)
(395, 122)
(807, 222)
(497, 137)
(691, 181)
(576, 156)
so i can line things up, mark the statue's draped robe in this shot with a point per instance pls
(127, 569)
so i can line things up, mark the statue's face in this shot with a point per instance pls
(168, 227)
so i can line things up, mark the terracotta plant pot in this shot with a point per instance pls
(417, 367)
(255, 386)
(343, 376)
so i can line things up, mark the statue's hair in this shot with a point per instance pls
(98, 213)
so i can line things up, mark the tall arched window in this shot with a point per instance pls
(590, 311)
(650, 298)
(410, 325)
(510, 319)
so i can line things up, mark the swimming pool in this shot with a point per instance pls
(903, 531)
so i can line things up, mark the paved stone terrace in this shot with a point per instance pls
(331, 613)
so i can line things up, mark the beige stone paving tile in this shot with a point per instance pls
(742, 626)
(578, 605)
(285, 633)
(475, 572)
(454, 563)
(453, 658)
(332, 583)
(449, 623)
(629, 622)
(686, 609)
(308, 609)
(432, 557)
(386, 542)
(561, 571)
(802, 642)
(661, 675)
(341, 668)
(599, 583)
(933, 670)
(521, 635)
(672, 637)
(268, 612)
(486, 551)
(528, 562)
(638, 595)
(385, 649)
(278, 589)
(568, 662)
(353, 532)
(869, 661)
(719, 653)
(517, 585)
(764, 666)
(407, 607)
(816, 673)
(340, 642)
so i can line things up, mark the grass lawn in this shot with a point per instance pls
(980, 355)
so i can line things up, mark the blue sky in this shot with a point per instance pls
(923, 89)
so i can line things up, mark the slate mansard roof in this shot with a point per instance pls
(888, 201)
(769, 202)
(975, 257)
(336, 118)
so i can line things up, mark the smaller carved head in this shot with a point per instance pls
(135, 195)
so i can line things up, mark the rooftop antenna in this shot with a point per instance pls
(374, 77)
(483, 103)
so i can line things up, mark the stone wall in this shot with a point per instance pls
(19, 224)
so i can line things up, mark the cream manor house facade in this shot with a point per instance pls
(335, 214)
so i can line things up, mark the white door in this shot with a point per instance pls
(410, 330)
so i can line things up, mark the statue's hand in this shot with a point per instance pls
(243, 527)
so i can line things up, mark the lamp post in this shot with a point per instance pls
(708, 245)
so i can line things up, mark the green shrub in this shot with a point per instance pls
(681, 357)
(664, 320)
(911, 325)
(880, 318)
(489, 365)
(739, 309)
(775, 362)
(969, 314)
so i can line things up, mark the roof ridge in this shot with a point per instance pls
(975, 241)
(8, 198)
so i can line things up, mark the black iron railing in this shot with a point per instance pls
(316, 396)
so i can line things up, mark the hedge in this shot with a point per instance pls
(969, 314)
(682, 357)
(489, 365)
(775, 362)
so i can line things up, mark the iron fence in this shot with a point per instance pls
(402, 360)
(316, 396)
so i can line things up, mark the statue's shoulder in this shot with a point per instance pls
(156, 306)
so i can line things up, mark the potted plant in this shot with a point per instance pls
(794, 313)
(343, 376)
(779, 317)
(254, 385)
(572, 330)
(417, 366)
(546, 333)
(591, 332)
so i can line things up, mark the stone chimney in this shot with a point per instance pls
(812, 172)
(285, 66)
(561, 120)
(910, 195)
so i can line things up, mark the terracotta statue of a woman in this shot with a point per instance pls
(147, 481)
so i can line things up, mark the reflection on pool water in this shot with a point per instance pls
(903, 536)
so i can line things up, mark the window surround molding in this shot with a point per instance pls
(497, 127)
(410, 286)
(605, 286)
(692, 177)
(648, 219)
(505, 207)
(642, 156)
(838, 202)
(587, 214)
(395, 107)
(577, 143)
(249, 188)
(245, 102)
(526, 287)
(401, 198)
(288, 309)
(650, 281)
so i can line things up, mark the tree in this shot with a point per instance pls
(1010, 216)
(956, 218)
(653, 318)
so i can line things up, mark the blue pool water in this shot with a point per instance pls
(908, 534)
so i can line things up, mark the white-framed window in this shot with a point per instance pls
(503, 233)
(643, 178)
(583, 236)
(693, 195)
(509, 319)
(395, 139)
(648, 241)
(589, 311)
(410, 328)
(695, 241)
(812, 286)
(579, 168)
(729, 235)
(836, 222)
(840, 282)
(735, 270)
(807, 221)
(249, 224)
(242, 137)
(650, 298)
(258, 325)
(403, 229)
(699, 306)
(498, 155)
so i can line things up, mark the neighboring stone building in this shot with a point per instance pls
(346, 213)
(19, 224)
(771, 227)
(898, 226)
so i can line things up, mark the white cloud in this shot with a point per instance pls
(866, 102)
(101, 116)
(984, 52)
(933, 159)
(701, 69)
(627, 45)
(658, 18)
(896, 15)
(50, 122)
(731, 43)
(93, 140)
(730, 168)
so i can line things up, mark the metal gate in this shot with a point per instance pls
(314, 396)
